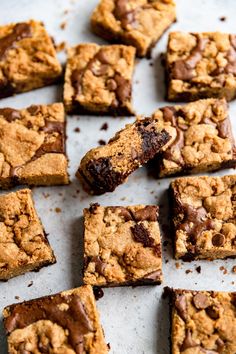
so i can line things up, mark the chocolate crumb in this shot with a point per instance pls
(58, 210)
(104, 126)
(98, 292)
(222, 18)
(63, 25)
(188, 271)
(198, 269)
(17, 297)
(77, 130)
(177, 265)
(223, 269)
(30, 283)
(234, 269)
(101, 142)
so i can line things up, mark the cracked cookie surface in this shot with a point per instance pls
(23, 242)
(204, 213)
(122, 245)
(67, 322)
(139, 23)
(98, 79)
(32, 146)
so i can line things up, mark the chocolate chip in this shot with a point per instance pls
(181, 306)
(188, 341)
(10, 114)
(101, 142)
(102, 56)
(199, 269)
(213, 312)
(33, 109)
(100, 266)
(141, 234)
(148, 213)
(76, 78)
(98, 292)
(121, 12)
(201, 301)
(93, 207)
(218, 240)
(123, 90)
(169, 114)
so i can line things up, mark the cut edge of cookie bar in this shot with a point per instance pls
(142, 224)
(30, 265)
(49, 163)
(216, 249)
(73, 312)
(97, 65)
(195, 91)
(104, 23)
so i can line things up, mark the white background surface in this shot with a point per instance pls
(135, 320)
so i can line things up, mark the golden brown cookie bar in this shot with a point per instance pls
(98, 79)
(27, 58)
(122, 245)
(203, 322)
(201, 65)
(139, 23)
(204, 139)
(204, 217)
(67, 322)
(102, 169)
(23, 242)
(32, 146)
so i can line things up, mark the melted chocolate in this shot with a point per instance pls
(10, 114)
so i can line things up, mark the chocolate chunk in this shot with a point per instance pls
(218, 240)
(123, 90)
(111, 85)
(102, 56)
(148, 213)
(10, 114)
(220, 345)
(201, 301)
(141, 234)
(99, 264)
(76, 78)
(213, 312)
(181, 306)
(104, 126)
(19, 31)
(98, 292)
(124, 212)
(169, 115)
(224, 129)
(74, 319)
(33, 109)
(188, 341)
(154, 276)
(121, 12)
(93, 207)
(53, 127)
(100, 70)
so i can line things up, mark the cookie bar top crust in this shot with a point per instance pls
(27, 58)
(204, 139)
(98, 79)
(122, 245)
(67, 322)
(139, 23)
(32, 146)
(204, 217)
(23, 242)
(203, 322)
(102, 169)
(201, 65)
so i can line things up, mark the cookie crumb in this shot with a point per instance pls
(60, 47)
(234, 269)
(188, 271)
(57, 210)
(223, 269)
(17, 297)
(63, 25)
(177, 265)
(104, 126)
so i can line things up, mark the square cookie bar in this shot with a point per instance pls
(204, 139)
(203, 322)
(201, 65)
(27, 58)
(122, 245)
(137, 23)
(67, 322)
(204, 217)
(98, 79)
(23, 242)
(32, 146)
(102, 169)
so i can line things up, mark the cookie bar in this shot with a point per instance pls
(203, 322)
(23, 242)
(27, 58)
(201, 65)
(32, 146)
(98, 79)
(204, 139)
(102, 169)
(122, 245)
(136, 23)
(67, 322)
(204, 217)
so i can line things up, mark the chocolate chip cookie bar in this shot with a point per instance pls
(201, 65)
(67, 322)
(122, 245)
(102, 169)
(204, 139)
(27, 58)
(23, 242)
(98, 79)
(203, 322)
(137, 23)
(32, 146)
(204, 217)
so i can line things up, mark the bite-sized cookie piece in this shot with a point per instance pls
(122, 245)
(23, 242)
(98, 79)
(102, 169)
(27, 58)
(204, 139)
(139, 23)
(32, 146)
(201, 65)
(204, 217)
(67, 322)
(203, 322)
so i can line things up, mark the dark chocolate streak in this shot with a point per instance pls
(19, 31)
(74, 319)
(141, 234)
